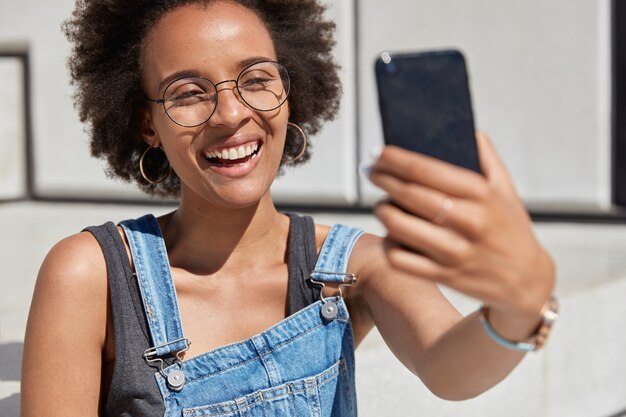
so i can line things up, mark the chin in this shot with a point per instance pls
(229, 197)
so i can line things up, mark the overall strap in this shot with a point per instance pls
(333, 258)
(158, 294)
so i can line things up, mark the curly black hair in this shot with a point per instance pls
(108, 36)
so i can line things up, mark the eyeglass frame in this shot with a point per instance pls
(236, 81)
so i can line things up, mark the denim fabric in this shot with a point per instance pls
(302, 366)
(333, 259)
(155, 283)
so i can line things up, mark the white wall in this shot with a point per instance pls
(61, 154)
(539, 73)
(330, 177)
(12, 129)
(539, 76)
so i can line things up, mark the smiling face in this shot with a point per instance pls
(231, 160)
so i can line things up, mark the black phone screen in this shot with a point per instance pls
(426, 106)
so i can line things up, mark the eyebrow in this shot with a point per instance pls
(195, 73)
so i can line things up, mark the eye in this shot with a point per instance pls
(261, 76)
(256, 81)
(187, 93)
(187, 97)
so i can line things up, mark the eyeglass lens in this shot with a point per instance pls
(191, 101)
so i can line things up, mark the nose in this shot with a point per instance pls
(230, 110)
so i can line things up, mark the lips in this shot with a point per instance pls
(232, 155)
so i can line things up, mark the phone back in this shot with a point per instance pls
(426, 107)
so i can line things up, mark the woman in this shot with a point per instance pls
(105, 332)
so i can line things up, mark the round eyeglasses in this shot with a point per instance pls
(191, 101)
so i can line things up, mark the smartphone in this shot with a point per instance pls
(425, 105)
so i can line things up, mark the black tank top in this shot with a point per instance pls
(133, 390)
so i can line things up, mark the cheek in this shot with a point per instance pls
(279, 140)
(282, 135)
(161, 121)
(172, 135)
(178, 146)
(280, 127)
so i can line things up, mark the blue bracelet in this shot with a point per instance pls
(522, 346)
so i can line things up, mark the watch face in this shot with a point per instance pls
(550, 317)
(550, 314)
(551, 311)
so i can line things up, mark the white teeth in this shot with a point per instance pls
(234, 153)
(254, 156)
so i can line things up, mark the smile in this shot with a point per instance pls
(233, 155)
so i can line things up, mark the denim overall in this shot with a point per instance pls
(302, 366)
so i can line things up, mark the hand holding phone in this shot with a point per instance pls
(447, 224)
(425, 105)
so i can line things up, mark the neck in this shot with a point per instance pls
(204, 239)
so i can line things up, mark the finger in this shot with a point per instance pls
(442, 245)
(419, 200)
(421, 266)
(431, 172)
(434, 206)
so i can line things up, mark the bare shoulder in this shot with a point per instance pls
(321, 231)
(67, 320)
(76, 263)
(370, 262)
(71, 284)
(368, 253)
(368, 256)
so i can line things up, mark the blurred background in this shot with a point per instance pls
(549, 85)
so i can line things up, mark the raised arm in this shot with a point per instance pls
(470, 233)
(65, 334)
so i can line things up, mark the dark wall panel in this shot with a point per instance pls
(619, 102)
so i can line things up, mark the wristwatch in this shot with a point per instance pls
(549, 315)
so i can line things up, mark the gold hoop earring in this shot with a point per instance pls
(291, 160)
(143, 172)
